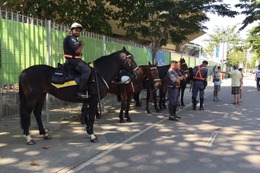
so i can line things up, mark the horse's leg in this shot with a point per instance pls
(37, 111)
(91, 119)
(161, 99)
(147, 100)
(122, 109)
(182, 95)
(128, 101)
(155, 100)
(25, 114)
(137, 101)
(123, 103)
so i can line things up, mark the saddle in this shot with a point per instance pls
(63, 74)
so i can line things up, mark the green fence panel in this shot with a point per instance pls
(92, 49)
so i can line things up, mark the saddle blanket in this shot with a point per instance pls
(66, 84)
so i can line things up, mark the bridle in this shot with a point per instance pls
(153, 69)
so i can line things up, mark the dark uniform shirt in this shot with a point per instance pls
(70, 45)
(170, 78)
(203, 71)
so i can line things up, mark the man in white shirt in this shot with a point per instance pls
(236, 79)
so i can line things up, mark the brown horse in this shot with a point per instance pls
(126, 91)
(187, 73)
(35, 82)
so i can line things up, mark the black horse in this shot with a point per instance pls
(125, 92)
(35, 82)
(188, 75)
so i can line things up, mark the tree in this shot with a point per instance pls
(222, 35)
(161, 21)
(236, 46)
(93, 15)
(250, 8)
(254, 41)
(236, 57)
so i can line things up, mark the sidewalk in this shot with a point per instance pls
(71, 146)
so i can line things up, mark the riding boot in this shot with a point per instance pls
(172, 111)
(201, 103)
(194, 104)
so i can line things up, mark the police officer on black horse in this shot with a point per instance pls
(173, 78)
(72, 52)
(200, 74)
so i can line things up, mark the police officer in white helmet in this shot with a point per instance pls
(73, 53)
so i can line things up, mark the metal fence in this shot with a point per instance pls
(26, 41)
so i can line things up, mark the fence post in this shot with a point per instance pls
(48, 57)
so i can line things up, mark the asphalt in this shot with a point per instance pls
(71, 148)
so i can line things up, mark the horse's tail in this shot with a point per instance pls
(22, 103)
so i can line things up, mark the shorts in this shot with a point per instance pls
(217, 88)
(235, 90)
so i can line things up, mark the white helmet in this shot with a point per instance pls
(125, 79)
(76, 25)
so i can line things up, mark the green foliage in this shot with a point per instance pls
(155, 21)
(236, 57)
(161, 21)
(254, 41)
(223, 35)
(93, 15)
(250, 8)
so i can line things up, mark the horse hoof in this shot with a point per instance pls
(94, 140)
(31, 142)
(46, 137)
(129, 120)
(122, 121)
(148, 111)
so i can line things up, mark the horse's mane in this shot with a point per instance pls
(106, 56)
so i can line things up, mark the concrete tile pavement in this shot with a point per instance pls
(70, 145)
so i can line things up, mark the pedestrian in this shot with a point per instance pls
(236, 78)
(257, 78)
(173, 78)
(73, 53)
(217, 82)
(200, 74)
(241, 86)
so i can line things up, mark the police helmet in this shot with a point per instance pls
(76, 25)
(125, 79)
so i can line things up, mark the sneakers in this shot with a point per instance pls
(216, 99)
(82, 95)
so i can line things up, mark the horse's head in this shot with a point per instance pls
(184, 68)
(154, 75)
(129, 63)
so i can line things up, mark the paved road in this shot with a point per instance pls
(224, 138)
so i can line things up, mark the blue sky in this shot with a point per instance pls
(224, 22)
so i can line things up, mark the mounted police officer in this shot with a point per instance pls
(200, 74)
(72, 52)
(173, 78)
